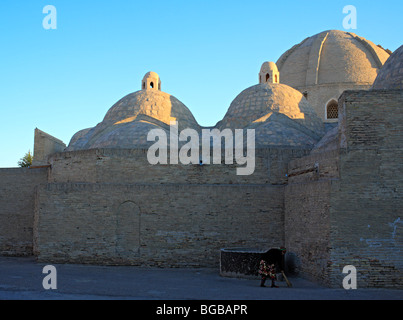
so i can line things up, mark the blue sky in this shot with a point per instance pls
(206, 53)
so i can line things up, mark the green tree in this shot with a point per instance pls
(26, 161)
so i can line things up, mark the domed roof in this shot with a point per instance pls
(391, 75)
(255, 103)
(151, 74)
(151, 80)
(268, 66)
(266, 103)
(129, 120)
(154, 104)
(331, 57)
(329, 142)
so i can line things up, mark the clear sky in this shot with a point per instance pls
(206, 52)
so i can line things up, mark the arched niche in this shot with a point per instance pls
(128, 229)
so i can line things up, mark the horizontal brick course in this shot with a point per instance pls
(177, 225)
(16, 208)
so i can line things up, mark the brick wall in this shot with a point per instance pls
(170, 225)
(16, 208)
(44, 145)
(366, 208)
(307, 225)
(111, 206)
(347, 209)
(132, 166)
(323, 165)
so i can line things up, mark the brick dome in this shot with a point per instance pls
(151, 104)
(391, 75)
(129, 120)
(331, 57)
(273, 109)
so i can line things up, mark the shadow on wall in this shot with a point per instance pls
(292, 263)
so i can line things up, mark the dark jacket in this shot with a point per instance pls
(276, 257)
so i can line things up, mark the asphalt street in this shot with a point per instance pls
(22, 279)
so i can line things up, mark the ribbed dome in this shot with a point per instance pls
(128, 122)
(331, 57)
(391, 75)
(272, 110)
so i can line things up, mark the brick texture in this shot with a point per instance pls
(344, 207)
(176, 225)
(16, 209)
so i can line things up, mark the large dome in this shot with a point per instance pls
(279, 114)
(391, 75)
(128, 121)
(331, 57)
(323, 66)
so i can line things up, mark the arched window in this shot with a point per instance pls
(332, 110)
(152, 85)
(267, 77)
(275, 79)
(144, 85)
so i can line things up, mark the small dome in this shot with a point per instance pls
(331, 57)
(274, 109)
(126, 136)
(329, 142)
(268, 66)
(151, 74)
(151, 80)
(278, 133)
(128, 121)
(255, 103)
(391, 75)
(269, 73)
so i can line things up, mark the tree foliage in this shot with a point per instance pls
(26, 161)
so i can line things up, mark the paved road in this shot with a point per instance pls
(21, 279)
